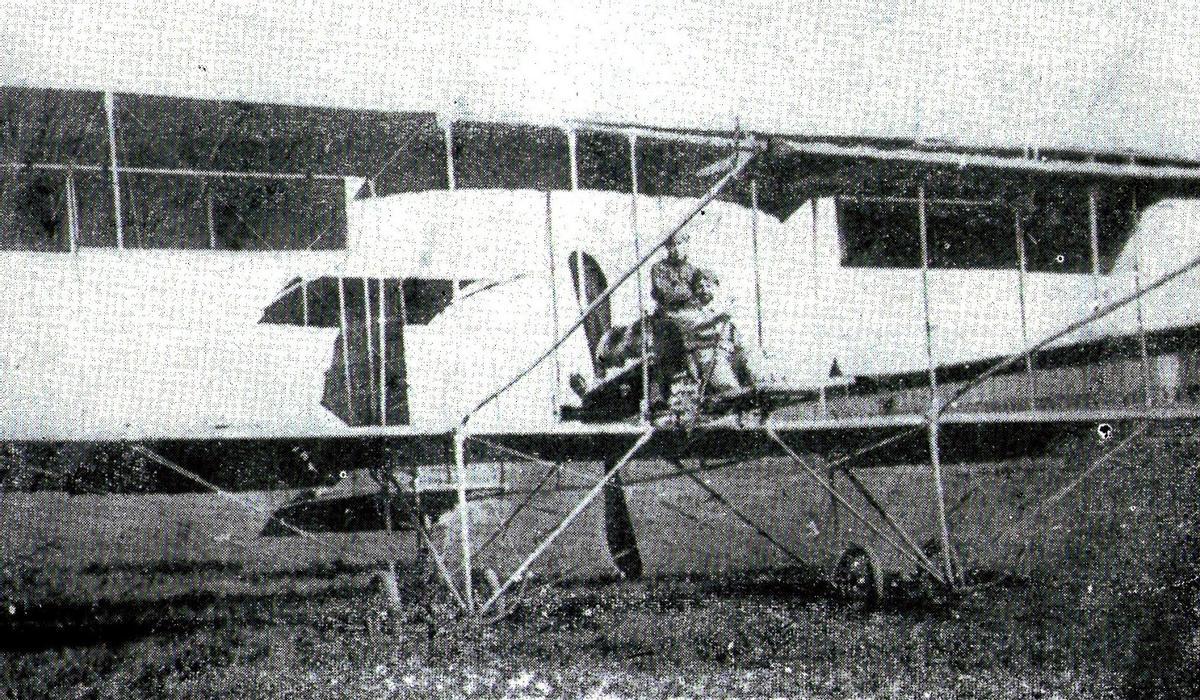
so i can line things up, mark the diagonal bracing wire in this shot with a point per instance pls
(1108, 309)
(742, 162)
(566, 522)
(919, 559)
(229, 495)
(1012, 535)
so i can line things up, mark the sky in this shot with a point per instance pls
(1086, 74)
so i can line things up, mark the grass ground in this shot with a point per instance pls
(324, 633)
(1106, 607)
(771, 634)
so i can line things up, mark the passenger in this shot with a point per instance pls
(715, 357)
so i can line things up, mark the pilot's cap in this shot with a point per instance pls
(679, 238)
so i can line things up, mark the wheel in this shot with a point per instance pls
(857, 575)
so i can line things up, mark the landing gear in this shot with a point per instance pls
(387, 585)
(486, 583)
(857, 575)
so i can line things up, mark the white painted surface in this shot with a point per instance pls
(143, 343)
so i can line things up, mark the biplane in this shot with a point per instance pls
(256, 295)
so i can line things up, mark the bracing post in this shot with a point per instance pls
(754, 252)
(924, 234)
(383, 392)
(1022, 270)
(208, 211)
(1094, 240)
(72, 212)
(464, 520)
(391, 589)
(573, 150)
(110, 111)
(366, 284)
(554, 316)
(345, 348)
(1138, 254)
(935, 409)
(935, 460)
(1094, 247)
(448, 133)
(304, 301)
(637, 254)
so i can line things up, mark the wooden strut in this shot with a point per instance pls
(572, 149)
(72, 213)
(304, 301)
(637, 254)
(1031, 387)
(1094, 247)
(935, 456)
(385, 492)
(383, 389)
(345, 349)
(110, 109)
(553, 302)
(208, 214)
(754, 251)
(366, 283)
(1094, 244)
(566, 521)
(464, 520)
(448, 132)
(1137, 285)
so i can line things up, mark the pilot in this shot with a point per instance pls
(671, 277)
(672, 290)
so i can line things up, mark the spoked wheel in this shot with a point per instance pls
(857, 575)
